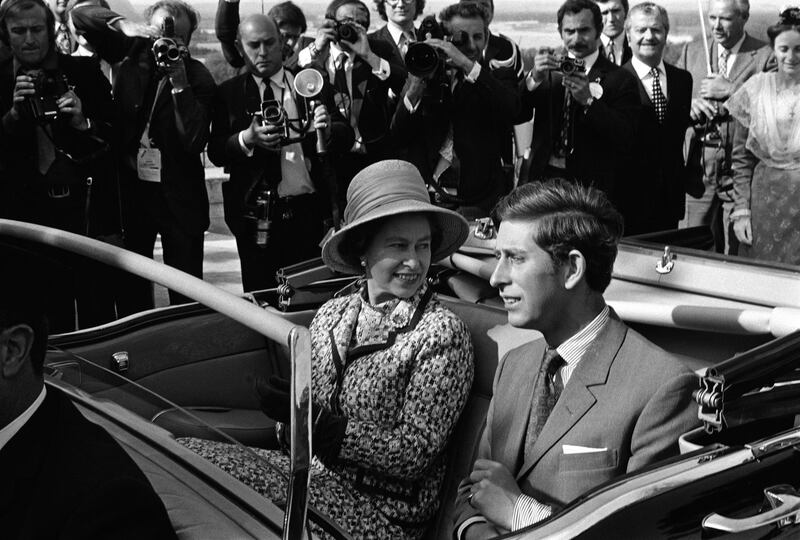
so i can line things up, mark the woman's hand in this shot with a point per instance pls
(743, 230)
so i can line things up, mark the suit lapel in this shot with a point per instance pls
(744, 59)
(577, 397)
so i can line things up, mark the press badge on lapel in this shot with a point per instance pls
(148, 164)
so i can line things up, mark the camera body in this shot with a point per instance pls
(166, 49)
(272, 113)
(426, 62)
(568, 65)
(346, 31)
(260, 215)
(49, 87)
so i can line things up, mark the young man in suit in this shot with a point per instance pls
(259, 159)
(614, 43)
(454, 123)
(585, 119)
(652, 196)
(591, 401)
(735, 56)
(62, 475)
(399, 30)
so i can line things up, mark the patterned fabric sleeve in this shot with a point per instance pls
(434, 397)
(738, 105)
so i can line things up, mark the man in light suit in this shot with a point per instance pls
(600, 402)
(62, 476)
(735, 56)
(585, 119)
(652, 197)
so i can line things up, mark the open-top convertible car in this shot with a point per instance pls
(187, 370)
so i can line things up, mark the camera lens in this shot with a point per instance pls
(272, 114)
(421, 60)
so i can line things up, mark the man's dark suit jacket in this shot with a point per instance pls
(652, 197)
(65, 477)
(23, 187)
(603, 134)
(481, 115)
(627, 400)
(236, 100)
(382, 34)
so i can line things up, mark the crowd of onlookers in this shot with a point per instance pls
(105, 120)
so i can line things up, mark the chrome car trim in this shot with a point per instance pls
(785, 502)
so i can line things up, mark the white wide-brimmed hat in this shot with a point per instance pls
(390, 188)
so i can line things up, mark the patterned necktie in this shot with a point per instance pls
(563, 144)
(405, 41)
(546, 392)
(612, 56)
(659, 101)
(342, 95)
(723, 62)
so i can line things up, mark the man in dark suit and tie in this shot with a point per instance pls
(613, 41)
(362, 75)
(260, 161)
(399, 30)
(652, 196)
(62, 476)
(454, 124)
(585, 118)
(592, 400)
(734, 56)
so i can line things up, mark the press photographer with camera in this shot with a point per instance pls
(586, 107)
(358, 68)
(455, 112)
(278, 199)
(164, 100)
(56, 118)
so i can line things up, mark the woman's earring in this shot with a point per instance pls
(363, 263)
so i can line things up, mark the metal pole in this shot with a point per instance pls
(705, 37)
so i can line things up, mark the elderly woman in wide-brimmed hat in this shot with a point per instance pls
(392, 366)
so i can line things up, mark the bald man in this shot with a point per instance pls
(268, 174)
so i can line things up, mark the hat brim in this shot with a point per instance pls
(453, 227)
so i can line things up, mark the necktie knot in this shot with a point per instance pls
(551, 362)
(655, 73)
(341, 61)
(612, 55)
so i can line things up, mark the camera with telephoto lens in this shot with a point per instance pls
(429, 63)
(346, 31)
(49, 87)
(166, 50)
(568, 65)
(259, 215)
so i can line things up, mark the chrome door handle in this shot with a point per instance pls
(785, 502)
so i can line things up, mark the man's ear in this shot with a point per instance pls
(15, 349)
(574, 269)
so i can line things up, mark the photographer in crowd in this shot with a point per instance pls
(586, 107)
(164, 107)
(455, 112)
(277, 197)
(358, 68)
(291, 24)
(735, 56)
(56, 118)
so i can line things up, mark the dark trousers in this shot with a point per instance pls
(295, 234)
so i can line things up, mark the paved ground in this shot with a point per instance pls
(220, 265)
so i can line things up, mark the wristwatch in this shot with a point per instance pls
(312, 48)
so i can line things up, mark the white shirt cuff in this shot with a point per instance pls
(530, 84)
(383, 71)
(471, 521)
(304, 57)
(247, 151)
(528, 511)
(409, 107)
(474, 73)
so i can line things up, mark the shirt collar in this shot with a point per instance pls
(588, 61)
(736, 46)
(336, 51)
(8, 432)
(643, 70)
(395, 31)
(278, 78)
(573, 349)
(398, 310)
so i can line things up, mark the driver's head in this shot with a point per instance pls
(27, 27)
